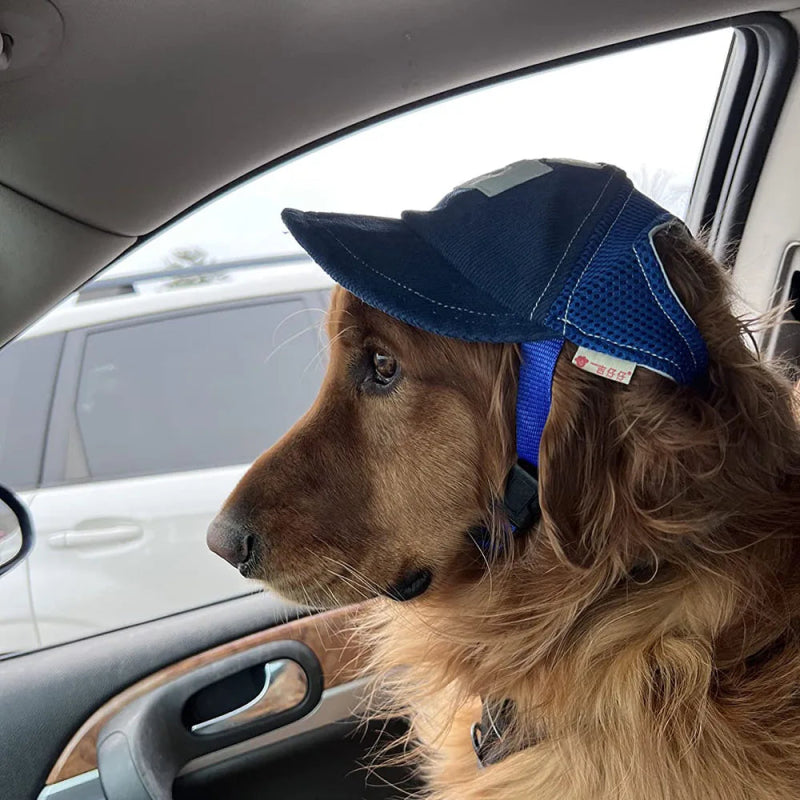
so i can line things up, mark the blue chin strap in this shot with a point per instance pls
(534, 395)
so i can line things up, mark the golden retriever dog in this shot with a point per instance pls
(641, 641)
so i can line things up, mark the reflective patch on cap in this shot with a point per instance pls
(609, 367)
(494, 183)
(574, 162)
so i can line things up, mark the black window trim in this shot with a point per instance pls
(62, 336)
(62, 412)
(760, 69)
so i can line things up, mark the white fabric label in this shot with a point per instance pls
(609, 367)
(494, 183)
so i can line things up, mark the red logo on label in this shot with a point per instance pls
(581, 361)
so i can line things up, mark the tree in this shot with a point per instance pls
(663, 187)
(189, 258)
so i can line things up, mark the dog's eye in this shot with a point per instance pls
(384, 367)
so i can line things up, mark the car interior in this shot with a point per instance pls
(120, 120)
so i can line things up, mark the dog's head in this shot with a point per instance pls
(379, 488)
(376, 488)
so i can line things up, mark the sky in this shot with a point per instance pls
(645, 110)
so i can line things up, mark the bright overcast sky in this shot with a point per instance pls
(646, 110)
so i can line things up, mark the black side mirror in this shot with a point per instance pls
(16, 530)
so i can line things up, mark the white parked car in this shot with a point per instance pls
(127, 414)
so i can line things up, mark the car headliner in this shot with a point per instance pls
(143, 108)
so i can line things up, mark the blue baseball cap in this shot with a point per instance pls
(539, 250)
(537, 253)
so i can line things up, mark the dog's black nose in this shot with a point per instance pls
(229, 541)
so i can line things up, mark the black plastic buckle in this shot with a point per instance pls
(521, 499)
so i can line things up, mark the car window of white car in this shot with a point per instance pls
(130, 411)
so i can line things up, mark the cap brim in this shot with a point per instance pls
(388, 266)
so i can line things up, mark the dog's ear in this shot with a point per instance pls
(611, 460)
(630, 473)
(583, 464)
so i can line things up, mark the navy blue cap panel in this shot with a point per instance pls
(531, 232)
(385, 264)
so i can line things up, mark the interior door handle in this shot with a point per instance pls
(283, 683)
(95, 537)
(141, 750)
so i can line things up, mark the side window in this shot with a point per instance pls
(207, 389)
(199, 349)
(27, 376)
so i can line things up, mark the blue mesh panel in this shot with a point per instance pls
(617, 300)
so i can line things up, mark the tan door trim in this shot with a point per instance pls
(330, 636)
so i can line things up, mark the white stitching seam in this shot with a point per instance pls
(620, 344)
(564, 254)
(408, 288)
(664, 311)
(589, 263)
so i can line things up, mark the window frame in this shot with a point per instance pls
(755, 81)
(63, 407)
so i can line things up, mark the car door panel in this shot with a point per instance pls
(113, 671)
(334, 762)
(328, 635)
(46, 694)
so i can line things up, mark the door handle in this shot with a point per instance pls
(95, 537)
(142, 748)
(283, 685)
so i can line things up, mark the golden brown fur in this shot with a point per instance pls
(647, 631)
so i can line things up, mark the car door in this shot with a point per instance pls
(295, 734)
(154, 421)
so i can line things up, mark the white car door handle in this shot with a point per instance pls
(95, 537)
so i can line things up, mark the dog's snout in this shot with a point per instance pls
(230, 541)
